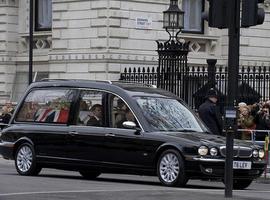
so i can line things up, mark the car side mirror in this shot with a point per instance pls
(132, 125)
(129, 125)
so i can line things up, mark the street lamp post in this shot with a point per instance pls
(30, 72)
(172, 54)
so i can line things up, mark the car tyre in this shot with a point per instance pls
(170, 169)
(25, 160)
(89, 175)
(241, 184)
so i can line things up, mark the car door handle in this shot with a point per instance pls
(73, 133)
(110, 135)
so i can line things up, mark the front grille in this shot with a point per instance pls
(238, 151)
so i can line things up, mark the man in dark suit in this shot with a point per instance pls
(209, 113)
(96, 116)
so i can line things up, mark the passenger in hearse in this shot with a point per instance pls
(128, 117)
(84, 113)
(120, 112)
(96, 117)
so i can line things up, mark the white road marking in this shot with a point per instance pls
(131, 190)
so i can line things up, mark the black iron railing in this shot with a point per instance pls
(254, 82)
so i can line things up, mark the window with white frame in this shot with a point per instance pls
(43, 15)
(193, 15)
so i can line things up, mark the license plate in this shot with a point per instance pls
(241, 165)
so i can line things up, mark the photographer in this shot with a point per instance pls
(262, 121)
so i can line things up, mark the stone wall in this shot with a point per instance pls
(8, 46)
(97, 39)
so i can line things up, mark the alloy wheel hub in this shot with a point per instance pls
(169, 168)
(24, 159)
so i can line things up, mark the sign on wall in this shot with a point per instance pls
(143, 23)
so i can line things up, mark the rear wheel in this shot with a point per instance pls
(89, 174)
(25, 160)
(170, 169)
(241, 184)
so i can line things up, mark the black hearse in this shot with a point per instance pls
(99, 127)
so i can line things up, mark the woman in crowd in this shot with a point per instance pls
(246, 121)
(254, 118)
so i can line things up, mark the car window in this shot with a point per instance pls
(91, 108)
(120, 112)
(46, 106)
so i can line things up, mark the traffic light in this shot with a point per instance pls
(217, 16)
(252, 15)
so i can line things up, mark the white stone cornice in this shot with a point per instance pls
(112, 57)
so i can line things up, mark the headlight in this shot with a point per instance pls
(261, 153)
(255, 153)
(213, 151)
(203, 150)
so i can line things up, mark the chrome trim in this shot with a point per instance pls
(236, 150)
(215, 160)
(109, 135)
(67, 124)
(7, 144)
(209, 159)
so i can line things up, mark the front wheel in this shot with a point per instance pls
(170, 169)
(25, 160)
(241, 184)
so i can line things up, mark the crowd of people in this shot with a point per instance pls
(254, 118)
(6, 113)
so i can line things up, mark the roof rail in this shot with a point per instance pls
(102, 81)
(138, 83)
(52, 79)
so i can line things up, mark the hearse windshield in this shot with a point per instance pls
(166, 114)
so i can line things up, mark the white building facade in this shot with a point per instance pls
(97, 39)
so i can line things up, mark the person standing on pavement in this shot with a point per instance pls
(209, 113)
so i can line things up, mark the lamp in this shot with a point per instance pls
(173, 19)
